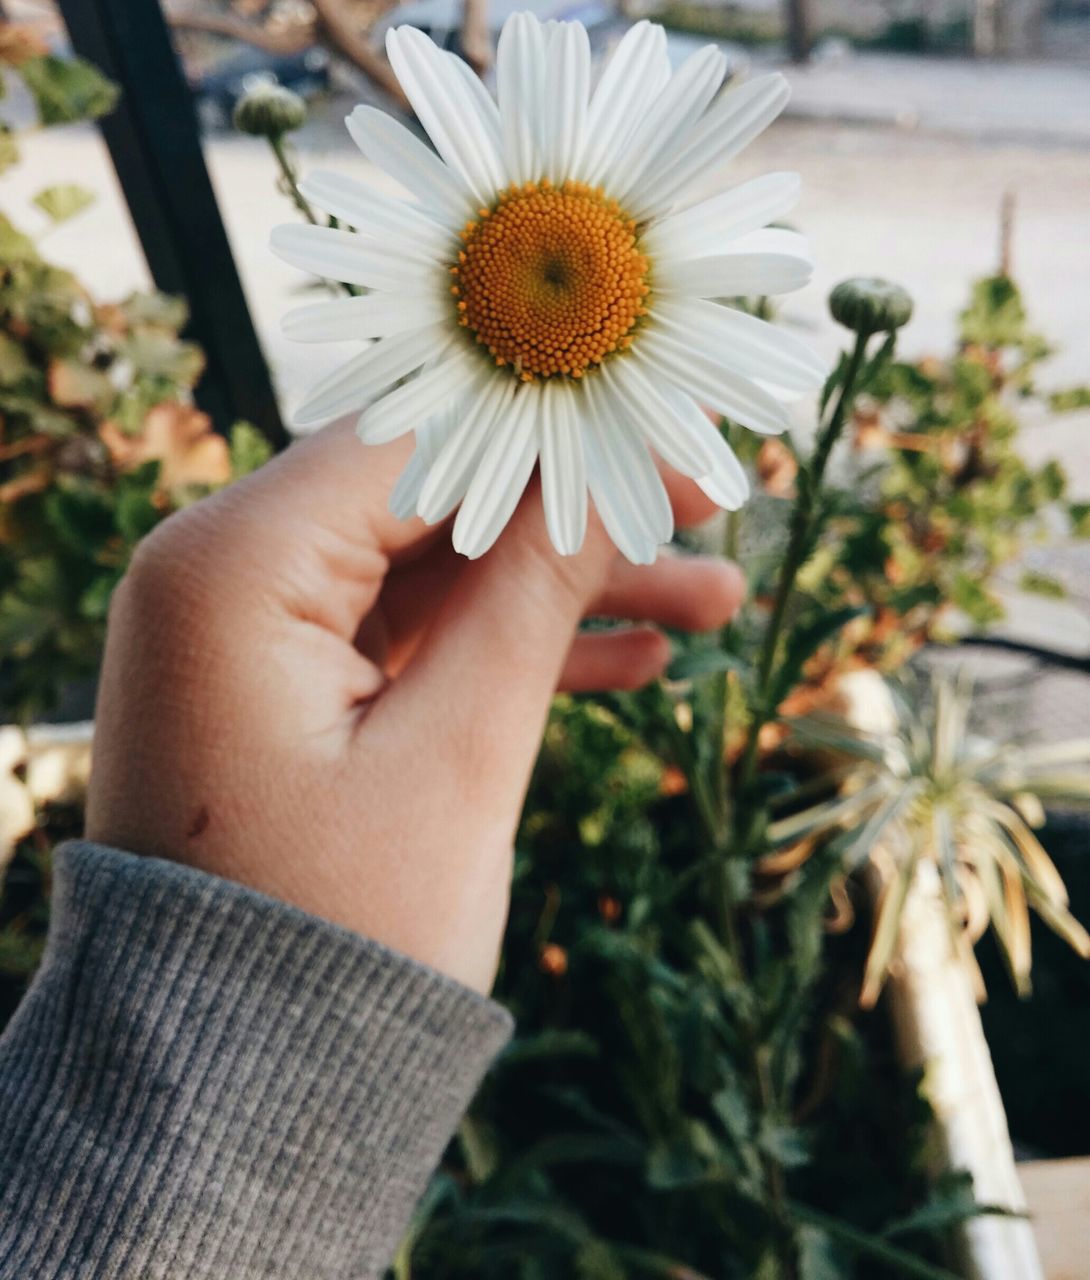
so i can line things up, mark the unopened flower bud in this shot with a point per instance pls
(866, 304)
(269, 110)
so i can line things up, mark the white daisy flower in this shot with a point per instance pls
(546, 296)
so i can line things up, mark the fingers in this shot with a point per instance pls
(486, 667)
(690, 593)
(485, 670)
(626, 659)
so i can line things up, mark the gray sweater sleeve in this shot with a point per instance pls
(205, 1083)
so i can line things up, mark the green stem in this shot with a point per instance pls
(287, 169)
(894, 1260)
(276, 142)
(803, 529)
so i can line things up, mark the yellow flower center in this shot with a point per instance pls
(551, 280)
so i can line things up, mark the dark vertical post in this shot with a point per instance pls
(799, 35)
(155, 146)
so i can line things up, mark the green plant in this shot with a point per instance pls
(923, 787)
(937, 501)
(99, 439)
(694, 1088)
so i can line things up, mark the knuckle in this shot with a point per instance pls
(567, 582)
(180, 567)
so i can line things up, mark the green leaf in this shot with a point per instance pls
(15, 248)
(1080, 518)
(946, 1209)
(596, 1260)
(157, 353)
(249, 449)
(674, 1163)
(702, 662)
(1069, 400)
(63, 201)
(784, 1143)
(819, 1256)
(14, 364)
(80, 516)
(550, 1043)
(804, 642)
(9, 148)
(898, 1261)
(95, 601)
(1041, 584)
(137, 515)
(156, 311)
(67, 89)
(974, 599)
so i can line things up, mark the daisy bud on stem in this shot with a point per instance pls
(272, 111)
(870, 304)
(269, 111)
(867, 307)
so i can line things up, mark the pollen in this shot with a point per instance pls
(551, 279)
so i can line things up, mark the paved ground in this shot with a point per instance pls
(1030, 102)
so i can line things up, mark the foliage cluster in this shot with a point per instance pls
(695, 1091)
(99, 438)
(936, 501)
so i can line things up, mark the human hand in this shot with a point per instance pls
(308, 696)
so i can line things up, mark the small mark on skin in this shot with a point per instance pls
(200, 823)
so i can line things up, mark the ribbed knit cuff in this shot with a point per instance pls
(204, 1082)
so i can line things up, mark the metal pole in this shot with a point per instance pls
(799, 36)
(155, 146)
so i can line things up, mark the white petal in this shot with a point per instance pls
(633, 77)
(626, 487)
(726, 484)
(404, 408)
(682, 442)
(707, 228)
(402, 500)
(487, 113)
(733, 275)
(487, 404)
(374, 214)
(406, 159)
(743, 343)
(375, 315)
(371, 372)
(567, 77)
(668, 118)
(520, 88)
(429, 440)
(563, 469)
(736, 397)
(351, 259)
(501, 477)
(729, 125)
(448, 111)
(773, 240)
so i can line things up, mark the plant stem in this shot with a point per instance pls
(276, 142)
(803, 530)
(291, 178)
(804, 521)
